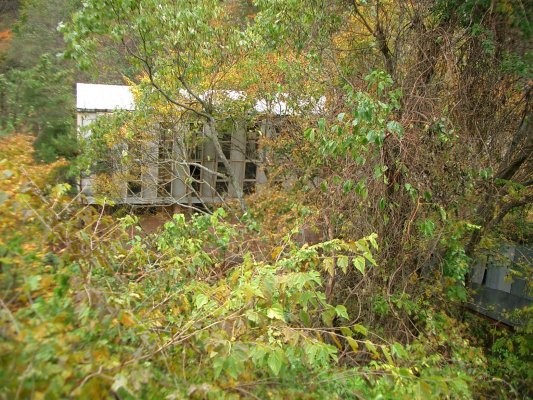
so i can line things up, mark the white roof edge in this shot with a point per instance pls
(101, 97)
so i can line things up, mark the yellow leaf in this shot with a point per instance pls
(276, 251)
(38, 395)
(329, 265)
(336, 340)
(353, 343)
(372, 348)
(100, 355)
(126, 319)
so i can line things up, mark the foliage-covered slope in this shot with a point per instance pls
(92, 309)
(347, 278)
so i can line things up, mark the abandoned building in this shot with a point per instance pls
(502, 283)
(169, 170)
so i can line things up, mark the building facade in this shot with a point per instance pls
(176, 164)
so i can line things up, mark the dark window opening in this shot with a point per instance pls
(196, 175)
(226, 136)
(221, 169)
(221, 187)
(226, 149)
(250, 174)
(225, 143)
(164, 184)
(250, 171)
(251, 142)
(484, 280)
(194, 142)
(165, 148)
(164, 188)
(195, 154)
(134, 188)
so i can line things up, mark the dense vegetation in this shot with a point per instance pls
(345, 277)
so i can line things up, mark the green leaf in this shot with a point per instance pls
(218, 365)
(201, 300)
(486, 173)
(442, 213)
(398, 350)
(378, 172)
(371, 347)
(33, 282)
(276, 312)
(341, 311)
(346, 331)
(411, 190)
(353, 343)
(258, 354)
(343, 262)
(372, 240)
(309, 134)
(370, 258)
(275, 361)
(427, 227)
(395, 127)
(328, 265)
(321, 124)
(252, 315)
(361, 189)
(233, 367)
(357, 328)
(347, 186)
(304, 317)
(311, 350)
(387, 354)
(328, 316)
(359, 263)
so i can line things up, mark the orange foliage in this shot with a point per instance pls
(22, 181)
(5, 35)
(5, 39)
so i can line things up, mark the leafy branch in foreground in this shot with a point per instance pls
(100, 308)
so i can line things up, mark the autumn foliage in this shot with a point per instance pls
(345, 276)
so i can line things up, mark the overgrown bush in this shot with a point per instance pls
(94, 308)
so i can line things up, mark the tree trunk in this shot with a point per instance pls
(213, 137)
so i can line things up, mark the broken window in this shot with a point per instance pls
(222, 185)
(251, 159)
(134, 165)
(195, 153)
(195, 173)
(165, 162)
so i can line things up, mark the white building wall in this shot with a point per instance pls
(112, 97)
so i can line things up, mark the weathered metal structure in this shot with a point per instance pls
(501, 283)
(167, 170)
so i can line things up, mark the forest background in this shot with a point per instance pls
(348, 281)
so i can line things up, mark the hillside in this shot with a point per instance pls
(297, 204)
